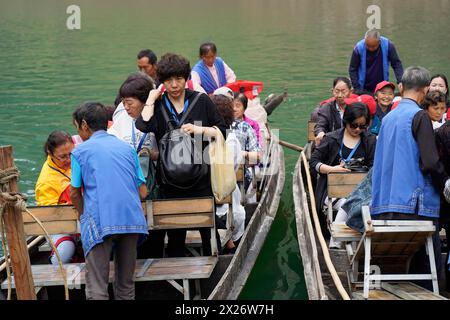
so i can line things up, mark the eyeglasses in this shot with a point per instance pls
(360, 126)
(62, 157)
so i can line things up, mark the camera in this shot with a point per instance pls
(356, 165)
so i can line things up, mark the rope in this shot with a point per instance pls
(323, 244)
(19, 202)
(5, 253)
(8, 174)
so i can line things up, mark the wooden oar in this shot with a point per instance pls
(290, 146)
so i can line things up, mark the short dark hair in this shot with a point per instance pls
(152, 58)
(440, 75)
(94, 113)
(207, 47)
(433, 98)
(173, 65)
(343, 79)
(242, 98)
(55, 139)
(110, 110)
(225, 107)
(354, 111)
(137, 85)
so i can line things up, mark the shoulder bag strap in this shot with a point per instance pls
(191, 106)
(166, 116)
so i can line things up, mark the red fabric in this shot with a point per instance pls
(251, 88)
(383, 84)
(64, 198)
(366, 99)
(352, 96)
(61, 240)
(395, 105)
(448, 114)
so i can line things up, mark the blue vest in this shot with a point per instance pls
(361, 46)
(208, 82)
(398, 184)
(111, 196)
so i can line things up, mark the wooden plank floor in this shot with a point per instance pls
(398, 291)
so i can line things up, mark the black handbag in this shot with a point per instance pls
(180, 162)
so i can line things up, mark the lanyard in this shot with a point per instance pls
(351, 153)
(133, 139)
(172, 111)
(57, 170)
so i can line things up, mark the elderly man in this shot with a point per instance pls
(407, 174)
(370, 60)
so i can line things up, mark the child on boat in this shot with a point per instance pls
(110, 209)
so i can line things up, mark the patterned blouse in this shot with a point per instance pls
(246, 136)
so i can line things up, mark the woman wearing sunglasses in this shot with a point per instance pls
(53, 187)
(339, 147)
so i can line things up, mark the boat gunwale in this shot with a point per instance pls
(230, 290)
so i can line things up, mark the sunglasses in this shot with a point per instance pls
(360, 126)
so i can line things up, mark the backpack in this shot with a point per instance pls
(180, 163)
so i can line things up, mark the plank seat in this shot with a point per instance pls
(193, 239)
(340, 185)
(341, 232)
(387, 247)
(311, 126)
(45, 275)
(190, 213)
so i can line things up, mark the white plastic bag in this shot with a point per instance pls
(223, 177)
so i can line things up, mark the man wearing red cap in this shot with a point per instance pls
(370, 61)
(384, 94)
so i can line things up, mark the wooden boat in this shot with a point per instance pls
(231, 271)
(333, 282)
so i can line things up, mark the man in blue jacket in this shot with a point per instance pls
(408, 176)
(109, 206)
(370, 61)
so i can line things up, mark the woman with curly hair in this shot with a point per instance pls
(173, 71)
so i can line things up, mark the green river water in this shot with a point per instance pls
(46, 70)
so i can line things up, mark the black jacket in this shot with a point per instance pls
(443, 146)
(328, 118)
(205, 112)
(327, 153)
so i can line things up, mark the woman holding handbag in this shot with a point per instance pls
(180, 111)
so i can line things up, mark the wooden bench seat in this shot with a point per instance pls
(340, 185)
(311, 126)
(342, 232)
(194, 240)
(192, 213)
(387, 246)
(45, 275)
